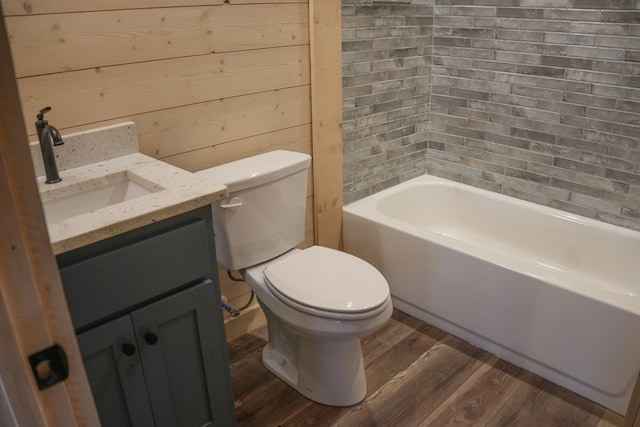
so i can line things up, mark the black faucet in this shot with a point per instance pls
(46, 135)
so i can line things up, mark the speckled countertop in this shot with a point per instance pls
(100, 156)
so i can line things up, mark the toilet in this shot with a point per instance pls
(318, 302)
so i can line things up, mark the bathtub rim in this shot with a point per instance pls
(367, 209)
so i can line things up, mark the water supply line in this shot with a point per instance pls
(233, 311)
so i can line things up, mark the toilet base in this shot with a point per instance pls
(328, 372)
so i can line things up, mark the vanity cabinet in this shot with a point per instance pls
(146, 308)
(151, 364)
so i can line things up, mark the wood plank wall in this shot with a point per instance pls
(206, 82)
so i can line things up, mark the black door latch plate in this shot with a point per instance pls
(49, 366)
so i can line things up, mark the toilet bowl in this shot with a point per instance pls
(318, 302)
(314, 340)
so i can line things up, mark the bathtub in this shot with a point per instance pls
(551, 292)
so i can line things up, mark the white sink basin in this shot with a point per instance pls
(91, 195)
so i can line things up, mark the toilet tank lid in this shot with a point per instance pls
(257, 170)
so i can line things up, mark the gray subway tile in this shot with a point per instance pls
(538, 99)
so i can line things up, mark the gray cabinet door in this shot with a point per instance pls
(116, 379)
(184, 359)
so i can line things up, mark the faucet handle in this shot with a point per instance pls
(42, 112)
(41, 123)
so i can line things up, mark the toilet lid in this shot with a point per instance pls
(329, 280)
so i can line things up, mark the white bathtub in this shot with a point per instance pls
(549, 291)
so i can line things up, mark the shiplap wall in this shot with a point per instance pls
(206, 82)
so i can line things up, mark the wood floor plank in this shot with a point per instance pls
(415, 373)
(479, 398)
(611, 419)
(379, 369)
(244, 347)
(422, 386)
(394, 331)
(401, 356)
(525, 404)
(260, 410)
(249, 376)
(564, 407)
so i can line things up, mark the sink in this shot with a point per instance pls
(87, 196)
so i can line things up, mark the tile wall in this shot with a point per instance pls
(536, 99)
(386, 81)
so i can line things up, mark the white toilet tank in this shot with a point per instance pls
(264, 215)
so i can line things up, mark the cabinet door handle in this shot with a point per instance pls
(128, 349)
(151, 338)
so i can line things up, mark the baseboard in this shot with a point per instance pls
(249, 319)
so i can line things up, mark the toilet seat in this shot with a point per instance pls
(328, 283)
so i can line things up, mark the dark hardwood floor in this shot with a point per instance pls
(417, 375)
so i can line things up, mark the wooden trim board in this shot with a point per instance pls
(32, 302)
(326, 118)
